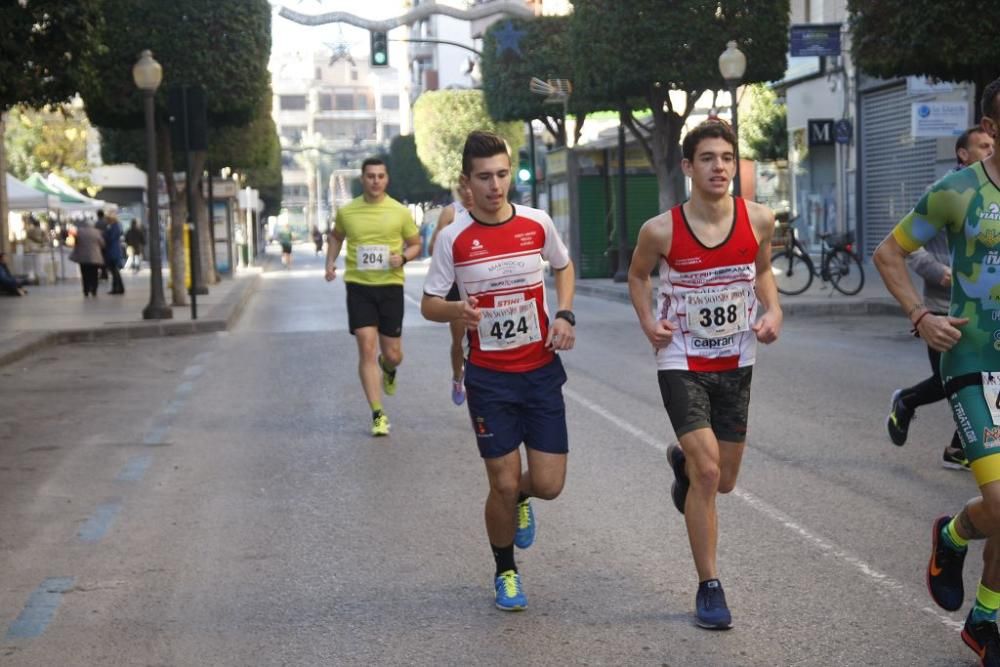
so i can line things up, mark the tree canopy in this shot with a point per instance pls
(47, 50)
(764, 130)
(51, 139)
(671, 47)
(543, 53)
(893, 38)
(222, 46)
(443, 119)
(408, 178)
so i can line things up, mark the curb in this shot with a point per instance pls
(870, 306)
(221, 317)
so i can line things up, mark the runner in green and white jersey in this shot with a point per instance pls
(967, 205)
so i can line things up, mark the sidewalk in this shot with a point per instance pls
(819, 299)
(56, 314)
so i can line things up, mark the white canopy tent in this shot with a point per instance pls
(85, 203)
(21, 197)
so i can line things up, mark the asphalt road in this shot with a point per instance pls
(217, 500)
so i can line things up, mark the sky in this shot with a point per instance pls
(288, 35)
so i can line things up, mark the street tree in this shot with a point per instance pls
(409, 180)
(764, 130)
(46, 55)
(443, 119)
(221, 46)
(893, 38)
(50, 139)
(542, 51)
(648, 54)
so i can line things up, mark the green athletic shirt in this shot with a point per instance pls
(966, 204)
(377, 230)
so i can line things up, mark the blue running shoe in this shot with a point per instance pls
(710, 606)
(524, 536)
(457, 392)
(510, 595)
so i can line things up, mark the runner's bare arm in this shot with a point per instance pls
(446, 218)
(938, 332)
(562, 334)
(654, 242)
(768, 326)
(333, 244)
(409, 254)
(436, 309)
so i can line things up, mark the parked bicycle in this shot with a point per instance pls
(794, 269)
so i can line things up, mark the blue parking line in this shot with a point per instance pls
(155, 435)
(193, 371)
(99, 522)
(185, 387)
(135, 468)
(41, 607)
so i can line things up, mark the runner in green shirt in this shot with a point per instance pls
(966, 204)
(381, 237)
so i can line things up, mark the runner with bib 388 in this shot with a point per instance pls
(714, 255)
(513, 377)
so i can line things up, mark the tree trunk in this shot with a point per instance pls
(4, 232)
(178, 213)
(206, 253)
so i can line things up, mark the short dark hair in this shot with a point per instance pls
(712, 128)
(372, 162)
(479, 145)
(990, 104)
(963, 139)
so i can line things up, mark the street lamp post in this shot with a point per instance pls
(732, 66)
(147, 75)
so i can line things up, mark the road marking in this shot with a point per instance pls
(185, 388)
(411, 299)
(155, 435)
(40, 608)
(100, 521)
(882, 580)
(135, 468)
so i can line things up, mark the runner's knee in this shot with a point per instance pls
(705, 476)
(393, 357)
(546, 489)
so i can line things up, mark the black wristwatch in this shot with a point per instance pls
(567, 315)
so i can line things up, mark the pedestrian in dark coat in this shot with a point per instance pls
(114, 256)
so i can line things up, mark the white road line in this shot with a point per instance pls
(897, 588)
(411, 300)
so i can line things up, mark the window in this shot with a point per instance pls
(293, 133)
(390, 130)
(292, 102)
(325, 102)
(362, 103)
(390, 101)
(345, 102)
(354, 75)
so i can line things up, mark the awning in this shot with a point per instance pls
(21, 197)
(63, 200)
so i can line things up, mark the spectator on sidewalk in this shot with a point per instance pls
(9, 285)
(114, 256)
(101, 226)
(88, 252)
(135, 238)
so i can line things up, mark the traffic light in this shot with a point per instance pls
(524, 174)
(380, 49)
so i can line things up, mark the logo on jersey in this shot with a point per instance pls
(992, 258)
(991, 437)
(992, 213)
(476, 244)
(712, 343)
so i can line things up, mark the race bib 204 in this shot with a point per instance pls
(372, 258)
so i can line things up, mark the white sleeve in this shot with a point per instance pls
(554, 251)
(441, 275)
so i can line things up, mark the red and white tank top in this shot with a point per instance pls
(501, 265)
(708, 293)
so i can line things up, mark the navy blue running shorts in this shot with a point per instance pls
(510, 408)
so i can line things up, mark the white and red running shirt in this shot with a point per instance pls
(708, 293)
(501, 265)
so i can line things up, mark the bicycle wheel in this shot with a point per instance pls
(845, 272)
(792, 269)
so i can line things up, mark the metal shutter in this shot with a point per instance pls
(896, 169)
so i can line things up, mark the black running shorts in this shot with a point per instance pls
(375, 306)
(716, 400)
(453, 294)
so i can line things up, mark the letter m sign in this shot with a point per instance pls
(821, 132)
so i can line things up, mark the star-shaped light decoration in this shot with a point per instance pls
(509, 39)
(339, 51)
